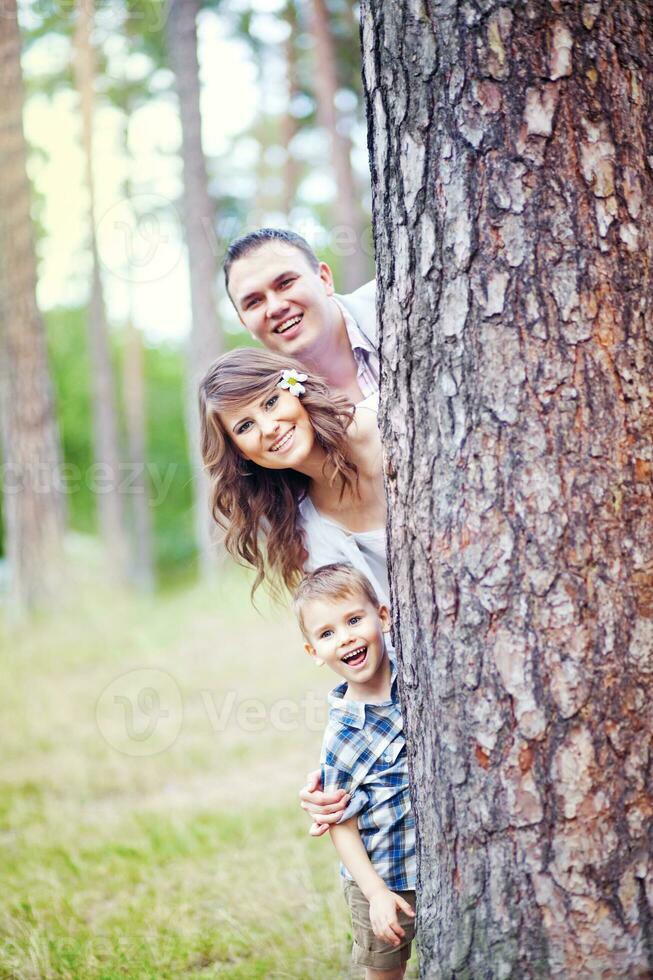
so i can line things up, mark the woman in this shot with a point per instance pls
(296, 481)
(295, 470)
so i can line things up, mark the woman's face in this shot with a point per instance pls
(274, 431)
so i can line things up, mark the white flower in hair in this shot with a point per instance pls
(292, 381)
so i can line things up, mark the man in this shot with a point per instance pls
(286, 299)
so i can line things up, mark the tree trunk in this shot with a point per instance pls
(289, 127)
(142, 558)
(111, 511)
(513, 200)
(141, 570)
(33, 506)
(205, 339)
(348, 235)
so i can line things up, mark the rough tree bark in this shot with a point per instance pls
(111, 510)
(32, 503)
(512, 155)
(205, 338)
(346, 209)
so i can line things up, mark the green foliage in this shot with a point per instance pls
(167, 460)
(167, 455)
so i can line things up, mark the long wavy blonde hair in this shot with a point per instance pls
(259, 507)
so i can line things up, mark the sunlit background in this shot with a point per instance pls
(269, 120)
(155, 726)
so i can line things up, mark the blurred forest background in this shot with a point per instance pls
(155, 727)
(132, 212)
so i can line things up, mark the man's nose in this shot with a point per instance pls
(275, 305)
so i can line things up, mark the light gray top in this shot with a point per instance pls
(327, 541)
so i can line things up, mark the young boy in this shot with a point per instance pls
(364, 752)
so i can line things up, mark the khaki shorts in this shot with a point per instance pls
(367, 949)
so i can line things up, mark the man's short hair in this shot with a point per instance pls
(335, 581)
(249, 243)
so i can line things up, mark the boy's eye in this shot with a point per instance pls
(272, 401)
(355, 619)
(325, 634)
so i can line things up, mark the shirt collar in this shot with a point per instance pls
(352, 713)
(357, 338)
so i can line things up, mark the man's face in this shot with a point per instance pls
(280, 299)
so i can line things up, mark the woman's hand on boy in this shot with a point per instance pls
(324, 808)
(383, 915)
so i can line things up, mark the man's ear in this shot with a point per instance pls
(384, 617)
(326, 276)
(312, 652)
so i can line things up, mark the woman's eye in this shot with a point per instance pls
(272, 401)
(243, 428)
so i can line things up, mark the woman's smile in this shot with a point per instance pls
(283, 444)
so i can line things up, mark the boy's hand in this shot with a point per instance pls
(383, 915)
(325, 808)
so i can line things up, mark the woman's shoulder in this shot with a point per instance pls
(364, 432)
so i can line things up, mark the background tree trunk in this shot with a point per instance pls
(32, 503)
(205, 339)
(289, 126)
(134, 397)
(512, 167)
(346, 207)
(111, 510)
(142, 559)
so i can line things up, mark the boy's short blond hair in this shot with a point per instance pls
(335, 581)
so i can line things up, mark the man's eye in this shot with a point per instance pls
(252, 303)
(286, 282)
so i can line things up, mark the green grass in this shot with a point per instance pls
(190, 859)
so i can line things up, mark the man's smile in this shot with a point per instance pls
(286, 325)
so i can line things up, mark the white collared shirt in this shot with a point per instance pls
(365, 354)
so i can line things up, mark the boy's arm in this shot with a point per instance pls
(323, 808)
(383, 902)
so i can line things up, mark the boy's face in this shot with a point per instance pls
(346, 634)
(280, 299)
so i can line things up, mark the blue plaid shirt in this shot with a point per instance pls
(364, 752)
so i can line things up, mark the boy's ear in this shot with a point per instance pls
(311, 651)
(384, 616)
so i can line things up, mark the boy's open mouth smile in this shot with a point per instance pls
(356, 658)
(289, 324)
